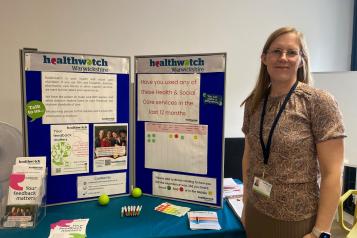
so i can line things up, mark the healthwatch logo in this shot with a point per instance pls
(70, 60)
(175, 62)
(195, 65)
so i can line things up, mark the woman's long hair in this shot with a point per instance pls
(262, 85)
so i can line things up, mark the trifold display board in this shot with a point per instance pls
(76, 113)
(179, 124)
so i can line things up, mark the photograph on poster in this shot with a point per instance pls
(79, 97)
(169, 97)
(176, 147)
(110, 146)
(69, 149)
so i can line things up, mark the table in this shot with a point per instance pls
(107, 222)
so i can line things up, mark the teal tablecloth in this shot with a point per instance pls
(106, 221)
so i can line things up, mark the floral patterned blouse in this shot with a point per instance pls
(311, 116)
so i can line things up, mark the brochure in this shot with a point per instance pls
(69, 229)
(203, 220)
(231, 188)
(237, 205)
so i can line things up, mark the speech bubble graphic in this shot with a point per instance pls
(35, 109)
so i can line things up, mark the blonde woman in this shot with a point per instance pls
(293, 134)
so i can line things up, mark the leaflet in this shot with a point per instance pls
(25, 188)
(69, 229)
(203, 220)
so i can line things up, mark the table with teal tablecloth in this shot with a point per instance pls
(106, 221)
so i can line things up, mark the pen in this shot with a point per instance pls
(197, 220)
(140, 209)
(137, 210)
(122, 211)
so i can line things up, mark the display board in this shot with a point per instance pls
(179, 126)
(76, 113)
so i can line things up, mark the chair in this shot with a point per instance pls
(352, 231)
(233, 154)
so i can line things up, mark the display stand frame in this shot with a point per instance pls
(39, 211)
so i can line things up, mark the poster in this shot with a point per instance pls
(79, 97)
(110, 145)
(176, 147)
(168, 97)
(96, 185)
(69, 149)
(201, 189)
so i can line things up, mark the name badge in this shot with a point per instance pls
(261, 186)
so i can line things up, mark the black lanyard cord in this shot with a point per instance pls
(266, 149)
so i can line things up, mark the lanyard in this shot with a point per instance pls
(266, 149)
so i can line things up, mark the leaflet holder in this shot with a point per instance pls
(24, 215)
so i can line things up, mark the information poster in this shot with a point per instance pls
(69, 149)
(79, 97)
(96, 185)
(186, 187)
(179, 126)
(110, 147)
(168, 97)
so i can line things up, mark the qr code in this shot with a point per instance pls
(108, 162)
(58, 170)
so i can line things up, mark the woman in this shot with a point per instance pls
(293, 134)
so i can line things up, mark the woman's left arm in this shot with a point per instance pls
(330, 156)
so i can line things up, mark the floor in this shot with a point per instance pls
(337, 231)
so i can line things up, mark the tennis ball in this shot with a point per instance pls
(103, 199)
(136, 192)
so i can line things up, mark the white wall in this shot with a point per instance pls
(343, 85)
(133, 27)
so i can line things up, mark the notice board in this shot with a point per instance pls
(76, 114)
(179, 126)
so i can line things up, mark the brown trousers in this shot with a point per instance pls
(259, 225)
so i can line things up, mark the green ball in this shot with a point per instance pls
(136, 192)
(103, 199)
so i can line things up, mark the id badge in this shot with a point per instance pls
(261, 186)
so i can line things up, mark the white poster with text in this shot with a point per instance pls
(96, 185)
(169, 97)
(69, 149)
(79, 97)
(186, 187)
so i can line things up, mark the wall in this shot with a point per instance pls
(133, 27)
(343, 85)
